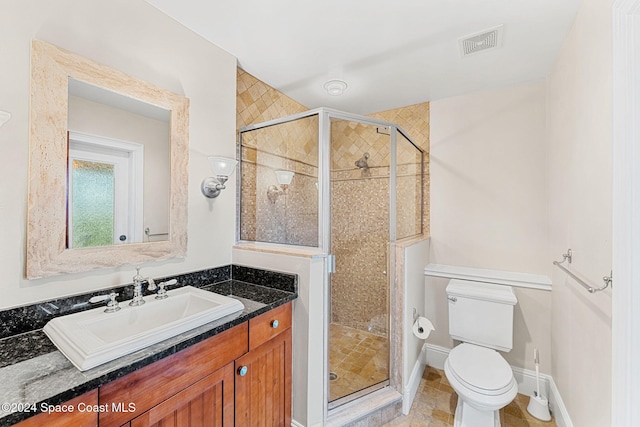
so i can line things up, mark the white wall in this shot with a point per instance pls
(489, 204)
(580, 195)
(308, 329)
(136, 38)
(416, 256)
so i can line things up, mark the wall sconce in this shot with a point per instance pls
(284, 179)
(222, 168)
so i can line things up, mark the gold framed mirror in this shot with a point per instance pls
(48, 249)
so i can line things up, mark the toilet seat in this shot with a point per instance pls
(480, 369)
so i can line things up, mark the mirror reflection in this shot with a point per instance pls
(118, 170)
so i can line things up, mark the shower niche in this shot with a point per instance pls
(349, 186)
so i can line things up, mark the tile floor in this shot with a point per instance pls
(436, 401)
(358, 358)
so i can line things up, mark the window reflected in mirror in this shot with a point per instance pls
(92, 204)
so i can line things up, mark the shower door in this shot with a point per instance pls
(359, 159)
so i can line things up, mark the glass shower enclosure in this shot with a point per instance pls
(350, 186)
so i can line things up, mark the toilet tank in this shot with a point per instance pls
(481, 313)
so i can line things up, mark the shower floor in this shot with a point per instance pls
(358, 358)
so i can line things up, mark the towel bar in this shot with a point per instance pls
(608, 280)
(147, 231)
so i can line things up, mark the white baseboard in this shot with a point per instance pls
(526, 379)
(557, 406)
(436, 355)
(411, 388)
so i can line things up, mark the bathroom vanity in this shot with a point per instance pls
(235, 371)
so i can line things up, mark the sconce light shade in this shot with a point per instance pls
(284, 177)
(222, 165)
(222, 168)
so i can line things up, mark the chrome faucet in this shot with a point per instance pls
(138, 280)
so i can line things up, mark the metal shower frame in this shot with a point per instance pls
(324, 145)
(324, 211)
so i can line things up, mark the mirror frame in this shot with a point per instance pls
(47, 254)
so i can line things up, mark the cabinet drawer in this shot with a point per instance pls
(269, 325)
(155, 383)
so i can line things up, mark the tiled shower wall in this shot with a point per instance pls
(359, 199)
(360, 220)
(414, 120)
(291, 218)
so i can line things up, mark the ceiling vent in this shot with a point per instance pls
(481, 42)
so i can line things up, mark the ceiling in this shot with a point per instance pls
(390, 53)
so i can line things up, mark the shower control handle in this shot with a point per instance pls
(242, 371)
(274, 324)
(452, 299)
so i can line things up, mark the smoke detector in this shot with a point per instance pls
(335, 87)
(482, 41)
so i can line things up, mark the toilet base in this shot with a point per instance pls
(468, 416)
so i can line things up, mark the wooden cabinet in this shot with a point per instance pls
(268, 325)
(206, 385)
(83, 413)
(154, 384)
(263, 384)
(263, 376)
(202, 385)
(207, 403)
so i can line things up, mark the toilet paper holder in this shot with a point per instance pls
(422, 326)
(416, 315)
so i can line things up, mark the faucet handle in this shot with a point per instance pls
(112, 305)
(98, 298)
(152, 285)
(162, 292)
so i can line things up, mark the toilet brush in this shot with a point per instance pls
(538, 404)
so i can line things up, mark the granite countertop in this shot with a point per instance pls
(34, 372)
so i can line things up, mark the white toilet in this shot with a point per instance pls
(481, 316)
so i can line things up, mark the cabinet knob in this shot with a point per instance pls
(274, 324)
(242, 371)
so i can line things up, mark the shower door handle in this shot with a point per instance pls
(331, 263)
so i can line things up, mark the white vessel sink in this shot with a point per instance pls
(93, 337)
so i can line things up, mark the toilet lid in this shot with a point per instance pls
(481, 369)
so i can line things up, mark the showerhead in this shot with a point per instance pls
(362, 162)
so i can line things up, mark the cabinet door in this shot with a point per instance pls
(207, 403)
(149, 386)
(263, 390)
(79, 416)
